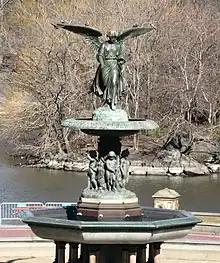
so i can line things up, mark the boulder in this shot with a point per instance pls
(146, 170)
(177, 164)
(204, 151)
(214, 168)
(80, 166)
(53, 164)
(155, 171)
(174, 171)
(137, 169)
(68, 166)
(192, 167)
(169, 158)
(196, 171)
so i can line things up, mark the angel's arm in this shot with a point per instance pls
(90, 158)
(100, 56)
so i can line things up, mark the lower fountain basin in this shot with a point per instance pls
(156, 225)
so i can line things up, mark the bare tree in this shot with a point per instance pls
(172, 76)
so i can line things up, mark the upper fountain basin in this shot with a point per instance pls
(110, 128)
(108, 122)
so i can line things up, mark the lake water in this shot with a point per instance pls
(26, 184)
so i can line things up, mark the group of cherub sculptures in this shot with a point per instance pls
(108, 173)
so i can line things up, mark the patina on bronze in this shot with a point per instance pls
(109, 81)
(108, 166)
(108, 221)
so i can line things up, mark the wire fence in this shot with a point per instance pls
(9, 212)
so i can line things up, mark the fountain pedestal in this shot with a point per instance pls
(92, 209)
(106, 197)
(108, 222)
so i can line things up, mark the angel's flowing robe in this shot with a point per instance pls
(109, 81)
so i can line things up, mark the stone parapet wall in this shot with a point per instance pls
(208, 218)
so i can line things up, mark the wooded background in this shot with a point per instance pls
(173, 73)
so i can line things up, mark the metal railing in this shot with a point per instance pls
(9, 212)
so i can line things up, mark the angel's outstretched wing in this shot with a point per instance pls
(91, 34)
(133, 32)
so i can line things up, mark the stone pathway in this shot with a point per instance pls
(16, 246)
(50, 260)
(27, 260)
(15, 232)
(36, 253)
(206, 253)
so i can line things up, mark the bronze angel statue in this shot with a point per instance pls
(109, 81)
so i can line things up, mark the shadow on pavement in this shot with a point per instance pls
(15, 260)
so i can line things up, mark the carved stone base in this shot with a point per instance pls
(97, 209)
(122, 195)
(105, 113)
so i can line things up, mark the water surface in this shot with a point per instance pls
(19, 184)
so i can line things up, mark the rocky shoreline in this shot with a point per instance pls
(200, 158)
(136, 168)
(166, 163)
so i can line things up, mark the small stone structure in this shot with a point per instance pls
(166, 198)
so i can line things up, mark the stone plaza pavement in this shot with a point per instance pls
(19, 244)
(42, 252)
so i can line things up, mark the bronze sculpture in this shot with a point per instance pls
(107, 220)
(92, 171)
(108, 173)
(108, 167)
(124, 167)
(109, 80)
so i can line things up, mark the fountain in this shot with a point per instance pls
(107, 222)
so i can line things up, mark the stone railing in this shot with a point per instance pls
(208, 218)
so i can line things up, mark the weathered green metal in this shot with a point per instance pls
(109, 83)
(108, 168)
(155, 225)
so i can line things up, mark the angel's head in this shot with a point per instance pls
(112, 35)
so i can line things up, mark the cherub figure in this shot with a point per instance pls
(101, 174)
(110, 172)
(124, 167)
(92, 172)
(109, 81)
(119, 181)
